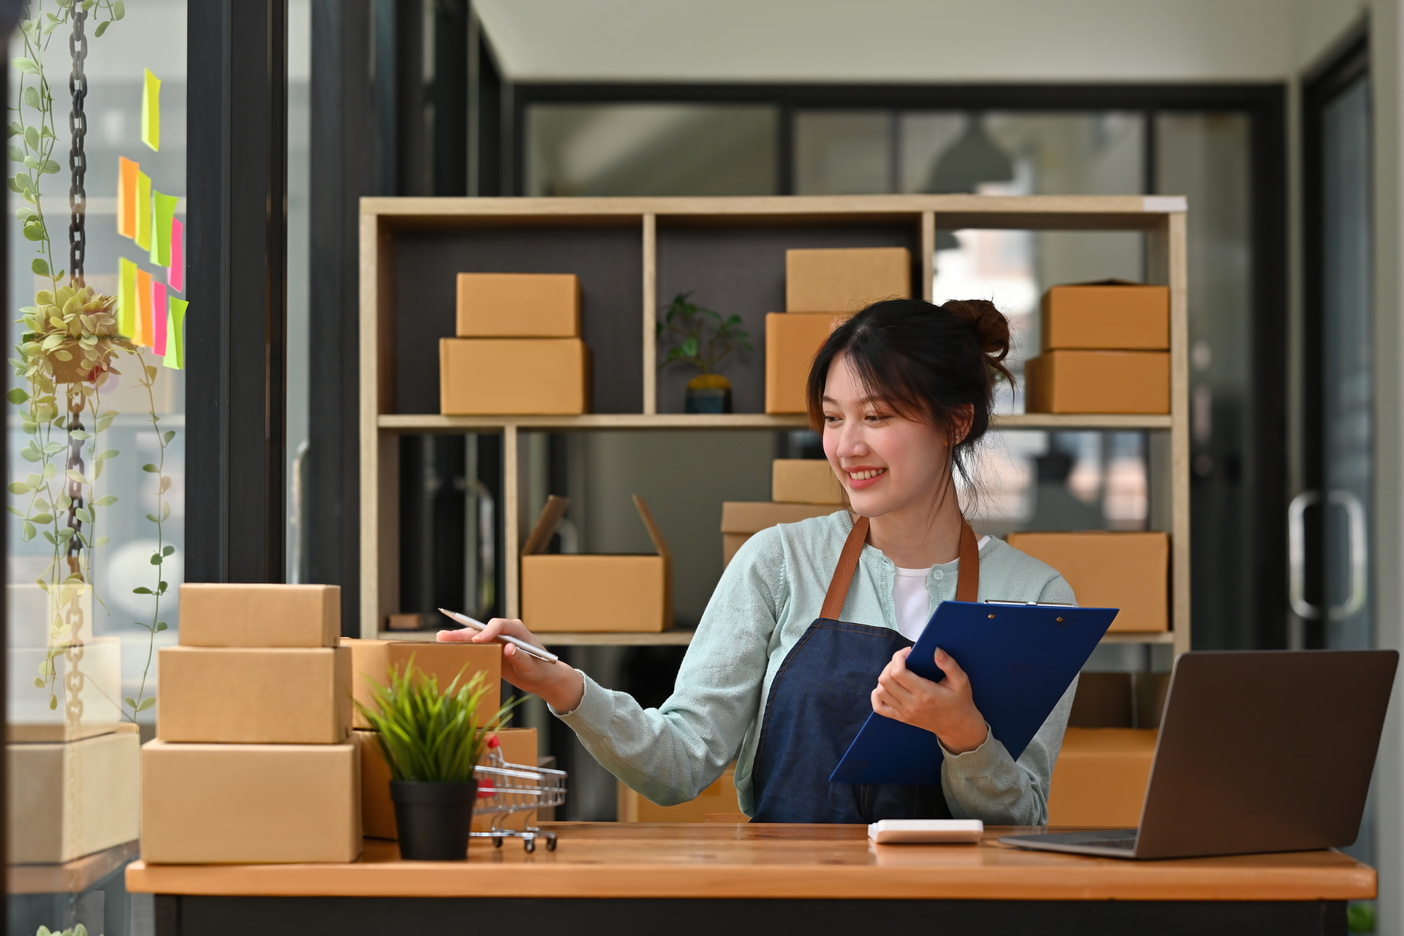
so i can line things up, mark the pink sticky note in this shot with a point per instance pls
(158, 305)
(175, 273)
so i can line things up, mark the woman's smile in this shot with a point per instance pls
(863, 476)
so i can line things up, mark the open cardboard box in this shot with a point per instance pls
(595, 594)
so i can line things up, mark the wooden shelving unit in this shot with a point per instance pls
(411, 247)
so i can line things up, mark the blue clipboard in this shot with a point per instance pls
(1020, 658)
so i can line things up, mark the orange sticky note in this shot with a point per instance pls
(126, 297)
(143, 333)
(127, 196)
(143, 211)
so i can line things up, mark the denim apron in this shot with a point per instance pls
(820, 698)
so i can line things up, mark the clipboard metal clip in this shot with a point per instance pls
(1030, 604)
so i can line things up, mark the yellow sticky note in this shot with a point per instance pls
(175, 334)
(151, 111)
(126, 297)
(143, 211)
(141, 335)
(126, 196)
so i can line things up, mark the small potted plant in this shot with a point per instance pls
(432, 741)
(704, 339)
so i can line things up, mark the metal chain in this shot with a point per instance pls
(77, 160)
(74, 488)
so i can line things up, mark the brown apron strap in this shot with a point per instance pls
(843, 572)
(968, 575)
(967, 578)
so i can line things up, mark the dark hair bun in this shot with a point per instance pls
(988, 325)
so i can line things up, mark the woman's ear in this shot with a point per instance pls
(962, 417)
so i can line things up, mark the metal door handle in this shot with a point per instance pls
(1296, 555)
(1359, 555)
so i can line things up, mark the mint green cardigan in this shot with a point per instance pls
(766, 599)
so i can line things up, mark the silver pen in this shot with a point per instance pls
(544, 655)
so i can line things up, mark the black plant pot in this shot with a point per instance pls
(433, 818)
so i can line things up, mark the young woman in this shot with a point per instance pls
(809, 629)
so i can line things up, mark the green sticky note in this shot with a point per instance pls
(151, 111)
(165, 206)
(126, 297)
(175, 334)
(143, 211)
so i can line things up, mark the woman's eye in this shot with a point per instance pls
(830, 419)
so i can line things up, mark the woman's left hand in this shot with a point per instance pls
(945, 708)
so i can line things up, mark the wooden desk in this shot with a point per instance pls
(683, 879)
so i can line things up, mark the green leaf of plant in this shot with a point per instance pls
(119, 10)
(40, 267)
(16, 153)
(83, 514)
(43, 518)
(160, 626)
(19, 487)
(689, 346)
(170, 434)
(102, 28)
(38, 682)
(155, 558)
(106, 454)
(14, 510)
(106, 500)
(168, 551)
(153, 518)
(150, 468)
(130, 701)
(102, 541)
(34, 231)
(17, 395)
(75, 475)
(146, 704)
(31, 137)
(27, 533)
(141, 590)
(50, 166)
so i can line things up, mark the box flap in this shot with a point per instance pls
(546, 525)
(654, 533)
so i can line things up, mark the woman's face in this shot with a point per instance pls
(888, 463)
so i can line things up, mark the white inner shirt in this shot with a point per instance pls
(912, 601)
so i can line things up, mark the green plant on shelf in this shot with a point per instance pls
(66, 355)
(79, 930)
(704, 338)
(428, 734)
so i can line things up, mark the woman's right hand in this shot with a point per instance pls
(560, 684)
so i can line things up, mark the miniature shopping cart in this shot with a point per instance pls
(504, 789)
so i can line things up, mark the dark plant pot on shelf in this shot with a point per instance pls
(708, 393)
(433, 819)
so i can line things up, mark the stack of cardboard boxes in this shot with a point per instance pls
(518, 350)
(254, 760)
(73, 769)
(822, 288)
(1105, 349)
(800, 488)
(372, 660)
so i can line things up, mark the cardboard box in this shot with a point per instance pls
(518, 305)
(1130, 571)
(1098, 382)
(378, 809)
(595, 594)
(1110, 315)
(846, 279)
(718, 799)
(372, 660)
(514, 376)
(222, 695)
(28, 716)
(66, 800)
(250, 803)
(259, 615)
(743, 519)
(805, 481)
(791, 342)
(1100, 777)
(1119, 700)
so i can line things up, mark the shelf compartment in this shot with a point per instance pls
(434, 422)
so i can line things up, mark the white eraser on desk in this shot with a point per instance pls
(916, 831)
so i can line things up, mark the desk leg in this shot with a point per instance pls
(298, 916)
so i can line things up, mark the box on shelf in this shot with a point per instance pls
(372, 660)
(791, 342)
(1119, 700)
(1100, 777)
(718, 799)
(1130, 382)
(249, 696)
(226, 615)
(378, 810)
(28, 716)
(518, 305)
(595, 594)
(250, 803)
(514, 377)
(743, 519)
(66, 800)
(804, 481)
(845, 279)
(1110, 315)
(1129, 571)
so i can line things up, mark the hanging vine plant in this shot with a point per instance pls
(68, 353)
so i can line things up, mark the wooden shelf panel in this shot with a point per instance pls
(676, 638)
(433, 422)
(1164, 637)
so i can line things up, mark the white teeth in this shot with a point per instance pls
(865, 475)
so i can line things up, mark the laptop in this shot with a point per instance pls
(1259, 751)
